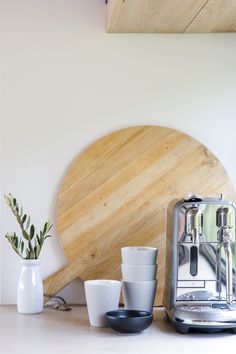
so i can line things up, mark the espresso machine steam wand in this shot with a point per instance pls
(224, 223)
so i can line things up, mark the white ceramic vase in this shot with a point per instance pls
(30, 288)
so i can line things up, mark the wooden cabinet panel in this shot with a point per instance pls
(171, 16)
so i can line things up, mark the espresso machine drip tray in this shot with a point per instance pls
(215, 312)
(208, 317)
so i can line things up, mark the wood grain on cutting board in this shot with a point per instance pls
(116, 193)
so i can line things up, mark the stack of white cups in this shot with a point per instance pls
(139, 281)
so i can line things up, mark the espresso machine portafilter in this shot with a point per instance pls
(200, 282)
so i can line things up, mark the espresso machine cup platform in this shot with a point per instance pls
(200, 281)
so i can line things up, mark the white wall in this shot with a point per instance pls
(66, 82)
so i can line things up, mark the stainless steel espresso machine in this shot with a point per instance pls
(200, 282)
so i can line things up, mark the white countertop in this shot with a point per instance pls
(57, 332)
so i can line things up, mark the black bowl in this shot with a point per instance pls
(129, 321)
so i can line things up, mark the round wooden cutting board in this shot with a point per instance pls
(116, 193)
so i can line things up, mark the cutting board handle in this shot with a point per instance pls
(58, 280)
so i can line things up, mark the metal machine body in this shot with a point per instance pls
(200, 283)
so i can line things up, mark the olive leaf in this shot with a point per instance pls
(22, 247)
(32, 231)
(28, 223)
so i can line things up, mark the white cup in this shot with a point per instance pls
(139, 295)
(139, 255)
(101, 296)
(140, 272)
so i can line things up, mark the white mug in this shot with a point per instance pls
(140, 272)
(139, 295)
(139, 255)
(102, 295)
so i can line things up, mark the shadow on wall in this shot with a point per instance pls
(74, 293)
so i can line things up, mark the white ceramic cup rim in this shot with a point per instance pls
(139, 249)
(141, 282)
(150, 266)
(102, 282)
